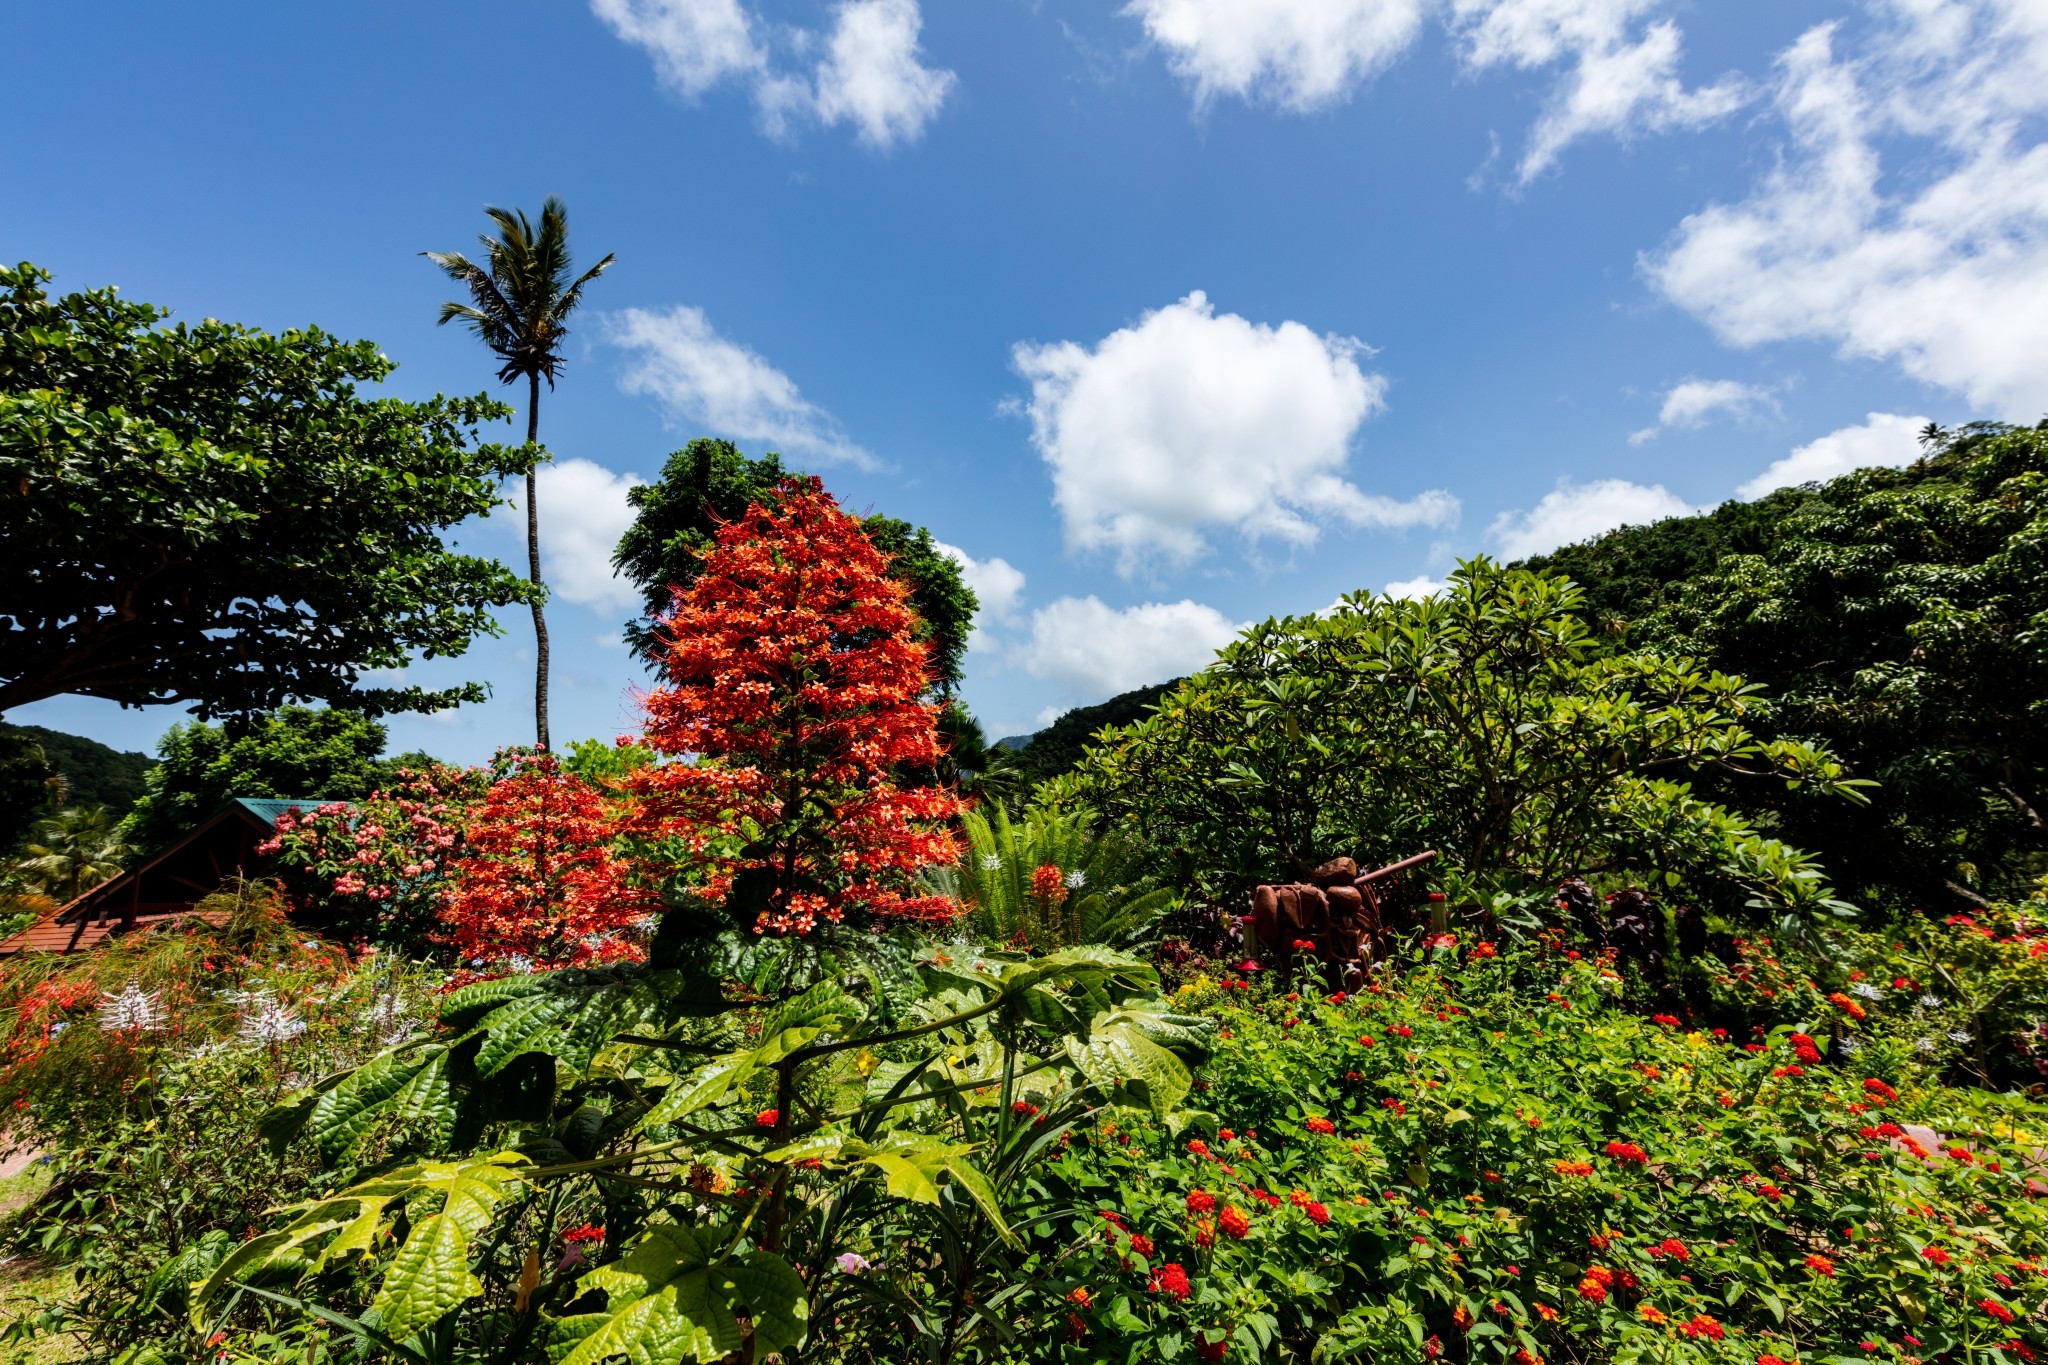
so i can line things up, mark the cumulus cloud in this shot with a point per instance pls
(704, 379)
(1574, 512)
(871, 75)
(998, 587)
(1620, 82)
(1097, 651)
(1189, 420)
(1295, 53)
(1620, 67)
(1885, 438)
(583, 512)
(1694, 402)
(1943, 272)
(1422, 585)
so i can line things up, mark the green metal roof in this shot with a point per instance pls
(267, 810)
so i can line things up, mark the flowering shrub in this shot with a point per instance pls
(539, 884)
(375, 870)
(1491, 1161)
(795, 686)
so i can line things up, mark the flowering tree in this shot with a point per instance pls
(539, 883)
(795, 675)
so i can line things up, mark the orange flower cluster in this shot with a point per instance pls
(539, 883)
(795, 685)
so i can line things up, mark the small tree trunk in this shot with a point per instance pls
(540, 620)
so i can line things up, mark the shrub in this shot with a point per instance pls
(1051, 881)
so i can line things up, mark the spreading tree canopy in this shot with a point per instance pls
(212, 515)
(709, 483)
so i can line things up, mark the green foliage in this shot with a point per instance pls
(210, 514)
(735, 1149)
(1490, 1157)
(73, 851)
(1894, 614)
(1487, 722)
(709, 483)
(25, 793)
(93, 773)
(1099, 888)
(291, 753)
(1057, 749)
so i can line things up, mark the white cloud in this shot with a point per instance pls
(998, 585)
(1422, 585)
(1296, 53)
(1303, 54)
(1885, 438)
(705, 379)
(1693, 402)
(583, 512)
(1619, 83)
(1574, 512)
(695, 43)
(1189, 420)
(1097, 651)
(871, 75)
(1943, 270)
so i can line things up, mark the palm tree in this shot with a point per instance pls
(519, 300)
(74, 850)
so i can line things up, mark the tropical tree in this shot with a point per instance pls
(1489, 722)
(709, 483)
(75, 850)
(520, 301)
(212, 515)
(1895, 615)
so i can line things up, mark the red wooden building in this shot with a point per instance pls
(165, 887)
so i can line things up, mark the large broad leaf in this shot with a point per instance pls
(1120, 1056)
(912, 1166)
(666, 1302)
(430, 1274)
(794, 1024)
(338, 1118)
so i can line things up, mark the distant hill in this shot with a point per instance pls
(1057, 748)
(96, 774)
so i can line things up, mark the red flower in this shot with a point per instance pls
(1210, 1351)
(1141, 1244)
(1768, 1359)
(1402, 1031)
(1703, 1327)
(1993, 1308)
(1573, 1167)
(1628, 1152)
(1080, 1297)
(1234, 1222)
(1319, 1124)
(1483, 950)
(1197, 1147)
(1317, 1214)
(793, 666)
(1821, 1265)
(1667, 1020)
(1201, 1201)
(1049, 885)
(1649, 1312)
(768, 1118)
(1879, 1091)
(1171, 1281)
(1076, 1328)
(1671, 1247)
(589, 1232)
(1935, 1255)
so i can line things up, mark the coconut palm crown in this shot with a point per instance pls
(520, 301)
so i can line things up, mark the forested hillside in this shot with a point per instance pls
(1895, 616)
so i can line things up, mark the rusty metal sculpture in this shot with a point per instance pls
(1342, 918)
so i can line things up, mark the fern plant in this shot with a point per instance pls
(1049, 881)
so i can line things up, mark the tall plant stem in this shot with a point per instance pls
(540, 620)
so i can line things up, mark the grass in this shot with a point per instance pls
(26, 1281)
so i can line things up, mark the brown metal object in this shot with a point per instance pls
(1343, 917)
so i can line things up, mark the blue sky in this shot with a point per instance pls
(1169, 315)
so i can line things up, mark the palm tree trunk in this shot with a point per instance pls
(540, 621)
